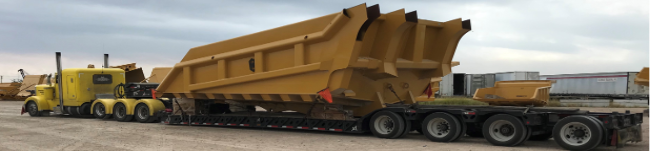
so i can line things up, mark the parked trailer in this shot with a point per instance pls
(616, 85)
(500, 125)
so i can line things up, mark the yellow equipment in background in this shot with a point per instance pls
(516, 93)
(642, 77)
(133, 73)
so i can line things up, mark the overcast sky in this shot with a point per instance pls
(552, 37)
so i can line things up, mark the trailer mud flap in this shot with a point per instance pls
(629, 134)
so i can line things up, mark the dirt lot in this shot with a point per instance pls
(22, 132)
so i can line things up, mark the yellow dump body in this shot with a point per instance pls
(516, 93)
(357, 53)
(642, 77)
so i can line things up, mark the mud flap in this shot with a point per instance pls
(630, 134)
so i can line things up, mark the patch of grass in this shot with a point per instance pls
(554, 103)
(454, 101)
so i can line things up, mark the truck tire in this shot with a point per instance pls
(142, 114)
(441, 127)
(32, 109)
(99, 111)
(578, 133)
(504, 130)
(119, 113)
(386, 124)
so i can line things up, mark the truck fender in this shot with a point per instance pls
(108, 104)
(129, 103)
(154, 105)
(40, 103)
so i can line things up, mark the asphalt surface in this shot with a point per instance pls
(55, 133)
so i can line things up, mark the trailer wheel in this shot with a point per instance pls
(577, 133)
(504, 130)
(441, 127)
(32, 109)
(142, 114)
(119, 112)
(386, 124)
(99, 111)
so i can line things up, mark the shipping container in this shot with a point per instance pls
(453, 84)
(610, 84)
(477, 81)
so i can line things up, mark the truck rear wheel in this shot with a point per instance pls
(142, 114)
(578, 133)
(119, 112)
(32, 109)
(504, 130)
(441, 127)
(386, 124)
(99, 111)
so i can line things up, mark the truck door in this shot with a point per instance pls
(71, 85)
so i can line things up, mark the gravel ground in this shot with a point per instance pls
(22, 132)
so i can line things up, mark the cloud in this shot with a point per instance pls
(552, 37)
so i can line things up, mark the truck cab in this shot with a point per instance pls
(80, 88)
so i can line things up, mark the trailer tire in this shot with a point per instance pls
(504, 130)
(32, 109)
(386, 124)
(142, 114)
(99, 111)
(441, 127)
(528, 135)
(568, 137)
(119, 112)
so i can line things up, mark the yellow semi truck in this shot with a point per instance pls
(94, 91)
(354, 71)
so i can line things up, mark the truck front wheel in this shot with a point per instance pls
(32, 109)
